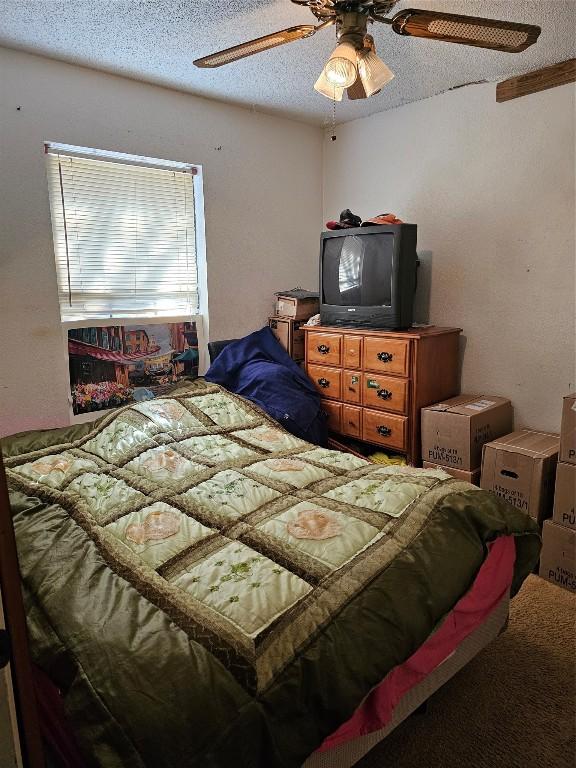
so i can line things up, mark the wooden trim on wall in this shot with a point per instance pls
(549, 77)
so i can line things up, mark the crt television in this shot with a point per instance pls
(368, 276)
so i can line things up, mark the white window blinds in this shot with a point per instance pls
(124, 234)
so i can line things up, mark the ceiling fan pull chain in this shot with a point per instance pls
(333, 136)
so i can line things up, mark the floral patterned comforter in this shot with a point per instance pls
(195, 576)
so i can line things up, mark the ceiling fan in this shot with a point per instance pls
(354, 65)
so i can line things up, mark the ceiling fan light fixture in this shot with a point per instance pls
(373, 73)
(328, 89)
(341, 69)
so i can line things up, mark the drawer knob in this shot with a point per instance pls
(385, 357)
(385, 394)
(323, 349)
(384, 431)
(324, 382)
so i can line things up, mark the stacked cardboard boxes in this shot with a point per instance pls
(564, 493)
(454, 432)
(558, 558)
(291, 311)
(568, 431)
(520, 468)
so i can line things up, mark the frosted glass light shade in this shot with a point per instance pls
(374, 74)
(341, 69)
(328, 89)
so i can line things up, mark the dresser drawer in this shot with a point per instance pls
(386, 355)
(326, 380)
(387, 392)
(351, 420)
(352, 387)
(324, 348)
(384, 428)
(334, 411)
(352, 352)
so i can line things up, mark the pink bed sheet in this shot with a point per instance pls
(491, 584)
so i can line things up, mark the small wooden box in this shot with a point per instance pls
(290, 334)
(296, 308)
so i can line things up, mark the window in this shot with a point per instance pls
(125, 233)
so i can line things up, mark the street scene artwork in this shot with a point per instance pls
(118, 364)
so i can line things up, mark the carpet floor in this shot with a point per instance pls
(513, 706)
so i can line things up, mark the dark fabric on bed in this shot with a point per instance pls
(259, 368)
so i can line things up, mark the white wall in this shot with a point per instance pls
(262, 190)
(491, 187)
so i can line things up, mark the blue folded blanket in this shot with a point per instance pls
(259, 368)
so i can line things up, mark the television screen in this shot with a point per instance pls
(357, 270)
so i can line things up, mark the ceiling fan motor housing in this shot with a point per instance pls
(351, 28)
(324, 9)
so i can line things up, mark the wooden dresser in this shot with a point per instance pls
(374, 383)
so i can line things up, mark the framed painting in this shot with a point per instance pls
(115, 362)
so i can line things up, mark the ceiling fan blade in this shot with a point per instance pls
(466, 30)
(255, 46)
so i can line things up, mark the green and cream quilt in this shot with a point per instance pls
(209, 590)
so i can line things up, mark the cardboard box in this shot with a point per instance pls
(460, 474)
(520, 468)
(565, 495)
(297, 307)
(290, 334)
(568, 430)
(558, 557)
(454, 431)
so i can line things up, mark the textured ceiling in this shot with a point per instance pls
(157, 40)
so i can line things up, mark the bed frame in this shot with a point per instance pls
(347, 754)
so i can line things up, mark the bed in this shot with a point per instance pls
(206, 589)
